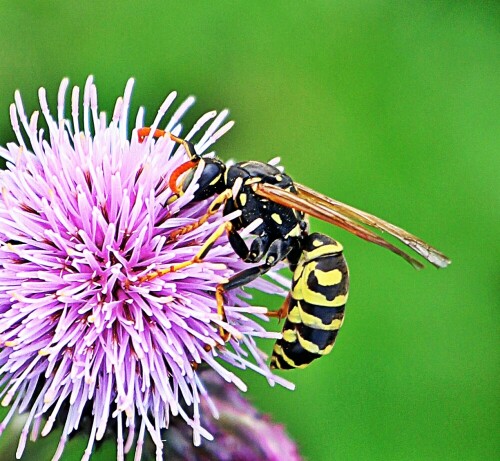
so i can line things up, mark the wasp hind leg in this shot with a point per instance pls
(282, 312)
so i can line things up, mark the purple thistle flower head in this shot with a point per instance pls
(241, 433)
(84, 217)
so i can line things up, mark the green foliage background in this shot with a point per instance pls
(391, 106)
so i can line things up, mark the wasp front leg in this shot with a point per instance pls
(212, 209)
(198, 258)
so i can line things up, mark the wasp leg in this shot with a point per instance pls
(258, 248)
(236, 281)
(212, 209)
(282, 312)
(278, 250)
(225, 227)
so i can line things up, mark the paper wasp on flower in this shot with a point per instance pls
(314, 308)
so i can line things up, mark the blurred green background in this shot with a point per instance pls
(389, 106)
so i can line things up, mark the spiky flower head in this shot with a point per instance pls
(84, 217)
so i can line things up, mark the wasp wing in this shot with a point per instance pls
(428, 252)
(349, 218)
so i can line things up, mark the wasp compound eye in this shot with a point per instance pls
(211, 180)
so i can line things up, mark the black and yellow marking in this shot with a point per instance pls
(314, 309)
(316, 304)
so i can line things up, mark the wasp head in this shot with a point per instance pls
(210, 181)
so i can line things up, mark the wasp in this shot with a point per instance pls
(314, 308)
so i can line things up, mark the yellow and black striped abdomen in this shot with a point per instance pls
(316, 305)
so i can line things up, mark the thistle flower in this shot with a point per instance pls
(241, 433)
(84, 216)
